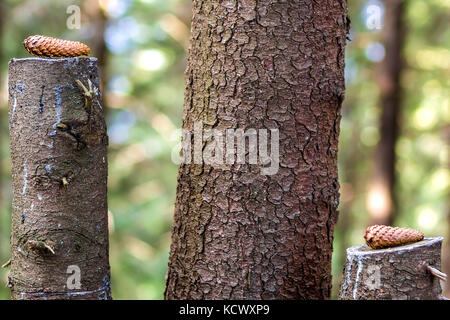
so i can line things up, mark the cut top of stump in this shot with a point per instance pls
(54, 69)
(365, 250)
(54, 60)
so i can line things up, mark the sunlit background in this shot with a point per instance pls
(142, 47)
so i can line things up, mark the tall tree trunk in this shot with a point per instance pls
(237, 233)
(382, 199)
(59, 236)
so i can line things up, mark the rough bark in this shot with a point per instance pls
(238, 234)
(59, 173)
(398, 273)
(388, 78)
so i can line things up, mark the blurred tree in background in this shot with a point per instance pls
(142, 46)
(382, 198)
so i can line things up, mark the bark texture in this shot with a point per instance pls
(238, 234)
(398, 273)
(388, 78)
(59, 173)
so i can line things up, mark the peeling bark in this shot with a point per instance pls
(398, 273)
(59, 174)
(238, 234)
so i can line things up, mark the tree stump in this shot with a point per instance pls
(59, 236)
(397, 273)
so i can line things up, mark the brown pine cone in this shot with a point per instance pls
(379, 236)
(43, 46)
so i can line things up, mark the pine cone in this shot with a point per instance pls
(379, 236)
(43, 46)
